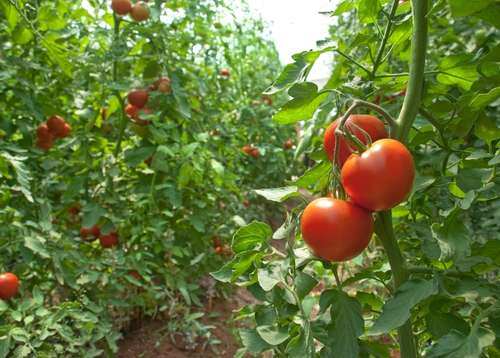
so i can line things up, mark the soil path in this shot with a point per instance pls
(151, 340)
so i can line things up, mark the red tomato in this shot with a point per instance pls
(371, 124)
(74, 209)
(138, 98)
(121, 7)
(140, 12)
(108, 241)
(45, 144)
(9, 285)
(90, 233)
(336, 230)
(58, 126)
(135, 274)
(225, 72)
(288, 144)
(255, 152)
(132, 111)
(246, 203)
(381, 177)
(43, 132)
(267, 100)
(247, 149)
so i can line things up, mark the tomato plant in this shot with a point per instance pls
(426, 284)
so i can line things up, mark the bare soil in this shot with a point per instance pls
(151, 340)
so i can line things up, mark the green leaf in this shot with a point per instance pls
(23, 176)
(270, 275)
(483, 99)
(304, 283)
(348, 325)
(461, 8)
(92, 213)
(185, 175)
(273, 335)
(314, 174)
(368, 11)
(456, 344)
(453, 237)
(37, 244)
(299, 109)
(278, 194)
(252, 341)
(397, 310)
(486, 129)
(136, 156)
(440, 324)
(251, 237)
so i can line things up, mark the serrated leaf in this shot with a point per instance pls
(278, 194)
(299, 109)
(269, 276)
(37, 245)
(251, 237)
(453, 237)
(314, 174)
(397, 310)
(456, 344)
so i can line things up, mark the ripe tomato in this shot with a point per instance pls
(65, 131)
(247, 149)
(255, 152)
(74, 209)
(43, 132)
(45, 144)
(224, 72)
(246, 203)
(336, 230)
(56, 126)
(132, 111)
(9, 285)
(140, 12)
(135, 274)
(90, 233)
(288, 144)
(121, 7)
(381, 177)
(139, 120)
(370, 124)
(109, 240)
(138, 98)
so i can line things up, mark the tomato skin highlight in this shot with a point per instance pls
(371, 124)
(336, 230)
(9, 285)
(381, 177)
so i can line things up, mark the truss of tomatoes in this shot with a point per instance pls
(377, 179)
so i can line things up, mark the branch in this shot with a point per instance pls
(385, 38)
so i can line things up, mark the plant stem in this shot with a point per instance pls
(385, 232)
(385, 38)
(414, 89)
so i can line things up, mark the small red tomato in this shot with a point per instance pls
(135, 274)
(381, 177)
(121, 7)
(336, 230)
(74, 209)
(45, 144)
(255, 152)
(132, 111)
(90, 233)
(108, 241)
(139, 12)
(224, 72)
(246, 203)
(138, 98)
(65, 131)
(57, 126)
(43, 132)
(247, 149)
(219, 250)
(370, 124)
(288, 144)
(9, 285)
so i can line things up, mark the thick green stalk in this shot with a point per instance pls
(405, 120)
(414, 89)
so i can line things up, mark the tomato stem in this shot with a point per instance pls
(414, 89)
(385, 38)
(385, 232)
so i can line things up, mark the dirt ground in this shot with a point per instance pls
(151, 341)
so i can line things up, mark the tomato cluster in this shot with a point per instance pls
(138, 12)
(377, 179)
(54, 128)
(251, 150)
